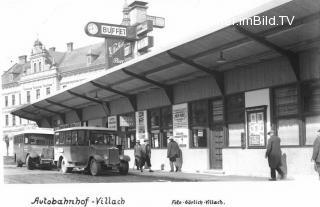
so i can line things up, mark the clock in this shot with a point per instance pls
(92, 28)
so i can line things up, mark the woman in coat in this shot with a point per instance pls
(273, 154)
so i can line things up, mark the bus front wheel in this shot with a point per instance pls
(95, 167)
(29, 163)
(64, 168)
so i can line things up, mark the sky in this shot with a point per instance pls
(57, 22)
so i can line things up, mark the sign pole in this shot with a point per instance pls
(106, 53)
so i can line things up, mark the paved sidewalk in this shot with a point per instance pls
(195, 177)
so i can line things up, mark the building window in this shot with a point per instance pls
(28, 97)
(48, 91)
(13, 120)
(311, 110)
(199, 123)
(13, 100)
(235, 119)
(34, 67)
(40, 66)
(286, 114)
(6, 101)
(37, 93)
(19, 98)
(7, 120)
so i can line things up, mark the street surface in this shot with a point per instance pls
(13, 174)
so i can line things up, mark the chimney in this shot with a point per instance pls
(22, 59)
(70, 46)
(138, 12)
(53, 49)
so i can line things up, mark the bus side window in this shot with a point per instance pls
(56, 138)
(68, 137)
(61, 138)
(74, 137)
(26, 140)
(81, 139)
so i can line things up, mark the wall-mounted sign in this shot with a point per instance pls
(141, 125)
(97, 29)
(127, 121)
(180, 123)
(144, 27)
(145, 43)
(112, 123)
(158, 22)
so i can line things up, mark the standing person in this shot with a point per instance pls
(146, 156)
(273, 154)
(179, 161)
(6, 139)
(173, 153)
(316, 153)
(137, 154)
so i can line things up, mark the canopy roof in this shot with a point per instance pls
(241, 45)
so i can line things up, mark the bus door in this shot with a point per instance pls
(79, 151)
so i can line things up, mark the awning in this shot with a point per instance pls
(241, 45)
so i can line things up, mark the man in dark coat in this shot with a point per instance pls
(273, 154)
(146, 156)
(316, 153)
(173, 153)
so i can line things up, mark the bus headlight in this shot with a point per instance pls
(105, 157)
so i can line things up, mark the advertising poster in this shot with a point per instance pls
(141, 125)
(180, 123)
(112, 123)
(256, 129)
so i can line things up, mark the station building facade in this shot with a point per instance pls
(219, 113)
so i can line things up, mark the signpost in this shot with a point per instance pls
(97, 29)
(145, 43)
(158, 22)
(122, 42)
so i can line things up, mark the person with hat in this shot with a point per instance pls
(137, 154)
(316, 153)
(273, 154)
(173, 153)
(146, 156)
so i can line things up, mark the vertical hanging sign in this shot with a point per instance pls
(115, 51)
(180, 124)
(141, 125)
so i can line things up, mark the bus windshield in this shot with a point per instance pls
(102, 138)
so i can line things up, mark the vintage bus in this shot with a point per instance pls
(88, 148)
(34, 148)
